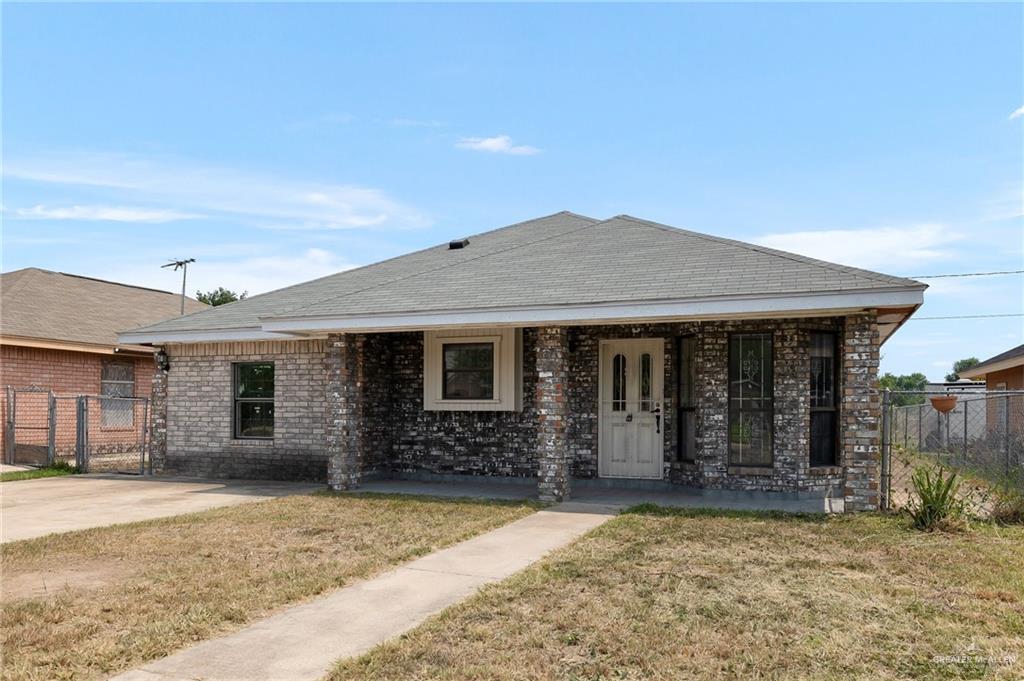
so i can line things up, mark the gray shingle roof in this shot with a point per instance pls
(55, 306)
(558, 259)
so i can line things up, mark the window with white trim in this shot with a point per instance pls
(472, 370)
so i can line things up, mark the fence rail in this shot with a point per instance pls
(978, 433)
(95, 432)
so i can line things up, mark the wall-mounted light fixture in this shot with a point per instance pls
(163, 362)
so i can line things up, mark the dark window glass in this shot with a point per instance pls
(686, 413)
(619, 383)
(468, 371)
(254, 400)
(645, 382)
(824, 398)
(117, 379)
(751, 399)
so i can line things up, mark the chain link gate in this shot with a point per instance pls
(95, 433)
(981, 436)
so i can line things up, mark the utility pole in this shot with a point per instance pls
(183, 266)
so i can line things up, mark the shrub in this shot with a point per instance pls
(936, 502)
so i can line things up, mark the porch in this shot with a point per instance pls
(619, 496)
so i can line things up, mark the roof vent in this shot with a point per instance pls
(457, 244)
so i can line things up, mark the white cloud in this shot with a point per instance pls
(104, 213)
(184, 186)
(500, 144)
(894, 248)
(253, 273)
(414, 123)
(1017, 114)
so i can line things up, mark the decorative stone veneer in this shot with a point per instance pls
(552, 413)
(494, 443)
(861, 413)
(199, 412)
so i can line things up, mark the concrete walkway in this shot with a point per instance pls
(303, 642)
(33, 508)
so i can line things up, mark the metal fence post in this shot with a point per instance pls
(966, 404)
(51, 428)
(1006, 432)
(886, 450)
(82, 435)
(9, 429)
(920, 420)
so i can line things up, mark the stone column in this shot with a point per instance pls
(344, 415)
(861, 414)
(552, 414)
(158, 418)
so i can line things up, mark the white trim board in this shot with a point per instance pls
(762, 307)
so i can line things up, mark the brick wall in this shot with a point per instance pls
(199, 412)
(66, 373)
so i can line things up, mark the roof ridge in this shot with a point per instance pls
(796, 257)
(592, 223)
(368, 265)
(96, 279)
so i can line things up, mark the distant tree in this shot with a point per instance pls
(219, 296)
(962, 365)
(915, 381)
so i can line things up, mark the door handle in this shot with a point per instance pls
(657, 417)
(629, 418)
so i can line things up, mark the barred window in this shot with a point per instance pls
(254, 400)
(751, 399)
(824, 447)
(686, 413)
(117, 381)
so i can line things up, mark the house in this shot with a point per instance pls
(565, 348)
(58, 332)
(1004, 372)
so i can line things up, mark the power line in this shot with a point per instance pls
(969, 316)
(965, 274)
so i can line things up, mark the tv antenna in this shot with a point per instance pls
(183, 266)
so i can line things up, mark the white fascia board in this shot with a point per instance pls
(820, 304)
(205, 336)
(984, 369)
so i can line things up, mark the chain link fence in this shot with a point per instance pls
(979, 434)
(93, 432)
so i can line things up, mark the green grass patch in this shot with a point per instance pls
(57, 469)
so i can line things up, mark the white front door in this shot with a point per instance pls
(631, 423)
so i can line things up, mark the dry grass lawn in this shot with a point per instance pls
(718, 595)
(90, 603)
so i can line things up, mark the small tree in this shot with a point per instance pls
(962, 365)
(219, 296)
(916, 381)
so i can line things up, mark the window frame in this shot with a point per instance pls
(834, 408)
(686, 373)
(237, 401)
(494, 346)
(507, 377)
(106, 405)
(770, 464)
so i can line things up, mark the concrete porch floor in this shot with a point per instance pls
(585, 492)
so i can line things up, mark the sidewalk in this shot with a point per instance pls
(303, 642)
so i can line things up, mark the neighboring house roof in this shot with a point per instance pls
(560, 268)
(40, 307)
(1014, 357)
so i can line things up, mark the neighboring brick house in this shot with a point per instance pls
(59, 332)
(1004, 372)
(566, 349)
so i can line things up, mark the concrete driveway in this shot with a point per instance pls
(33, 508)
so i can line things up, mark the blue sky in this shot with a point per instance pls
(276, 143)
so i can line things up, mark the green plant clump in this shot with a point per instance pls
(936, 502)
